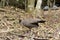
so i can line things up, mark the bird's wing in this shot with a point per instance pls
(37, 21)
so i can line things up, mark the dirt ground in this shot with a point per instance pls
(10, 28)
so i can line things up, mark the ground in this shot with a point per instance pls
(11, 29)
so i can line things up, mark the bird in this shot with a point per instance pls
(53, 8)
(30, 23)
(46, 8)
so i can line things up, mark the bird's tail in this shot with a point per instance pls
(41, 21)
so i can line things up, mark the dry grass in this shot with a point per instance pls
(10, 29)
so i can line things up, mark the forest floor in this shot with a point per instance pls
(10, 28)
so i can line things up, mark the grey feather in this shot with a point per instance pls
(31, 22)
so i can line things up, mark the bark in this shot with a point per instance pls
(2, 3)
(30, 6)
(38, 11)
(39, 3)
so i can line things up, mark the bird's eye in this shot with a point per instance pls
(19, 21)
